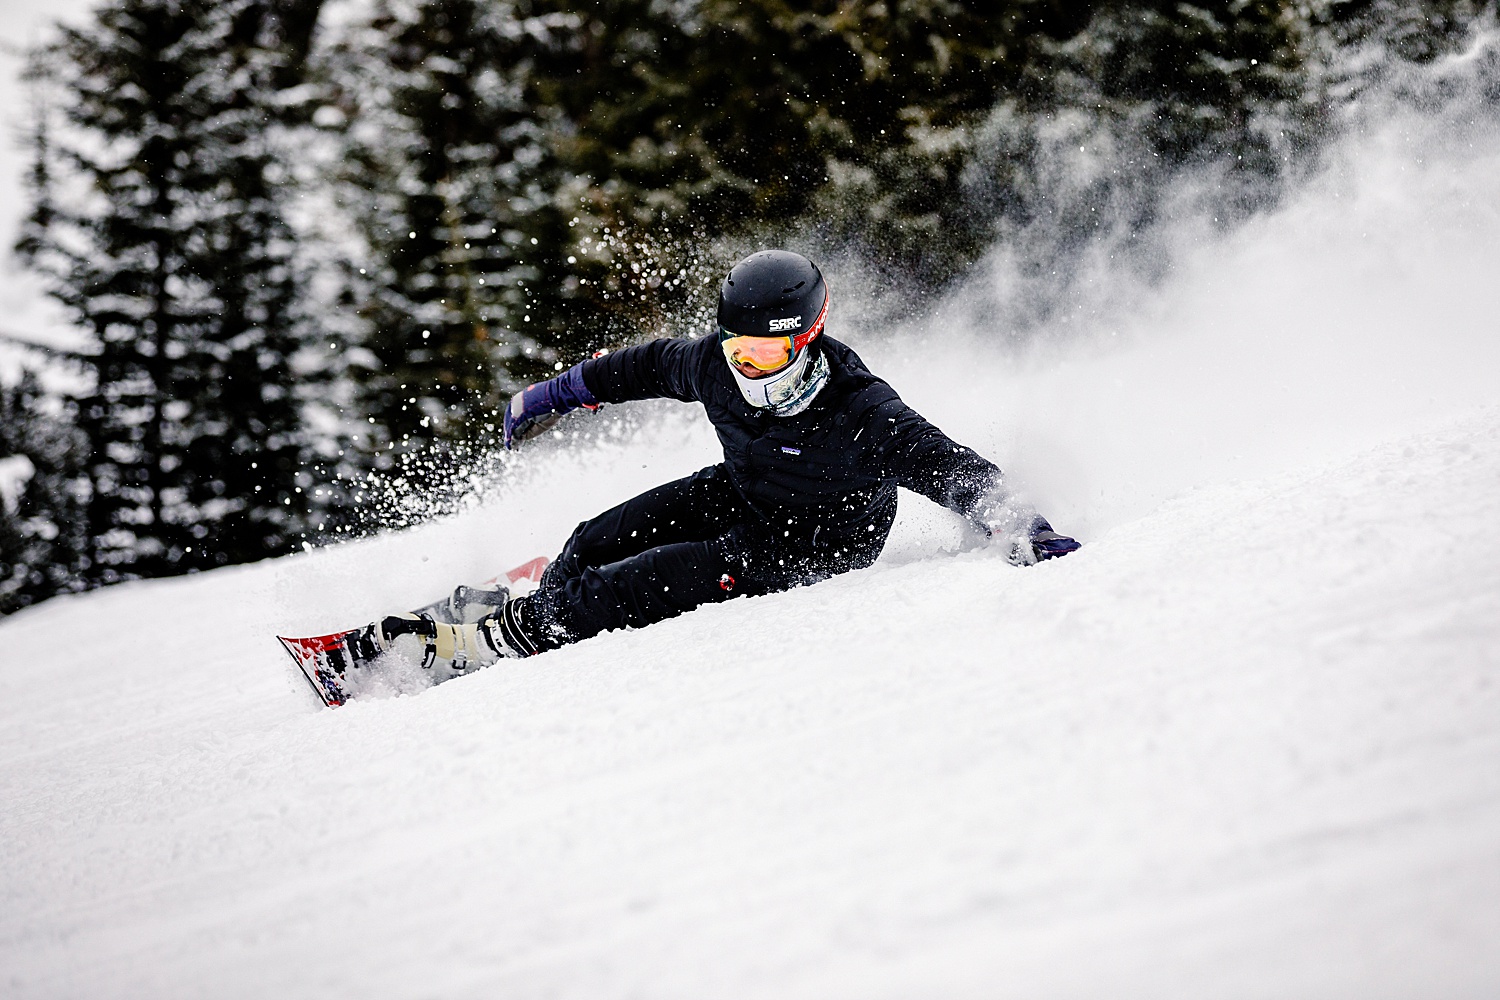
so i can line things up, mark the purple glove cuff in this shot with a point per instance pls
(566, 392)
(555, 396)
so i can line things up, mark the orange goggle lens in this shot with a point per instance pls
(767, 354)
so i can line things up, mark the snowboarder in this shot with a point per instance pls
(814, 448)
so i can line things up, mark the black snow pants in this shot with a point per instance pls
(686, 543)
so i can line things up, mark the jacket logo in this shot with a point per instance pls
(782, 325)
(790, 450)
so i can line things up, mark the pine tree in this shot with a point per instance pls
(725, 116)
(444, 177)
(159, 221)
(1413, 30)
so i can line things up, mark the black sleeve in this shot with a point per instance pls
(647, 371)
(918, 456)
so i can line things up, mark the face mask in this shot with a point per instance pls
(787, 392)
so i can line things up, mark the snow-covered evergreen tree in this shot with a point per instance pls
(159, 221)
(443, 174)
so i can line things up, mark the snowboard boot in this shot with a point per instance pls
(456, 647)
(506, 629)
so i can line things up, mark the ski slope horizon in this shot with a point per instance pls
(1244, 743)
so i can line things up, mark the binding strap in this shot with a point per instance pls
(419, 625)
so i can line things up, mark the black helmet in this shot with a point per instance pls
(776, 295)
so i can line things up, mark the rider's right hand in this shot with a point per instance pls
(539, 406)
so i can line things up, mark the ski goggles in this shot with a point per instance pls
(765, 354)
(769, 354)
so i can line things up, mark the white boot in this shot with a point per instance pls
(447, 646)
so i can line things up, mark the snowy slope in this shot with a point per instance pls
(1264, 766)
(1246, 743)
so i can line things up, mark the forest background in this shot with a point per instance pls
(310, 249)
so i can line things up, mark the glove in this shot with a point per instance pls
(1030, 538)
(1048, 544)
(539, 406)
(1040, 542)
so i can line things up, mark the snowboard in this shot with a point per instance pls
(328, 661)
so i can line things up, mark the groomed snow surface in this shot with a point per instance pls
(1246, 743)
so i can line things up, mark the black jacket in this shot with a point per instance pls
(829, 473)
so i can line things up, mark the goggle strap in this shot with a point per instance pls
(803, 339)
